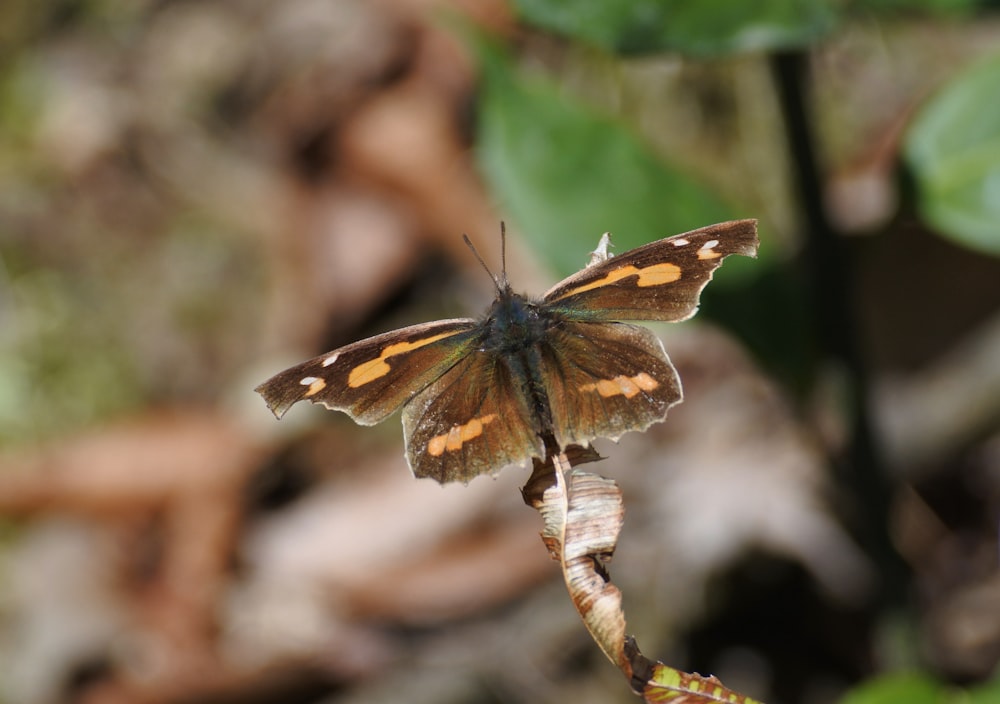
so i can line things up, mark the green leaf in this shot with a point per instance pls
(911, 688)
(566, 174)
(933, 7)
(706, 27)
(987, 693)
(953, 149)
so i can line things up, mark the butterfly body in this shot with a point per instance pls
(518, 330)
(531, 374)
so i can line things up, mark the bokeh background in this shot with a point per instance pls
(195, 195)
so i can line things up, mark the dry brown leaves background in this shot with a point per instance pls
(195, 195)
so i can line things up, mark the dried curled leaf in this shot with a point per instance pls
(583, 515)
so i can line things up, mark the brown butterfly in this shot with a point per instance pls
(532, 374)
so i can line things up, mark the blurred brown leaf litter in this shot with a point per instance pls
(195, 195)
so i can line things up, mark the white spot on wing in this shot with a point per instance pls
(679, 242)
(331, 359)
(306, 381)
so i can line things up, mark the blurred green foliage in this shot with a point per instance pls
(953, 149)
(694, 28)
(919, 688)
(560, 168)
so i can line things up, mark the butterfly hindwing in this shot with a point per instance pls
(370, 379)
(658, 281)
(605, 379)
(475, 419)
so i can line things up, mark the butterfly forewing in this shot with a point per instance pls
(658, 281)
(372, 378)
(605, 379)
(473, 420)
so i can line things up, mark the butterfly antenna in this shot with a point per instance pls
(496, 281)
(503, 252)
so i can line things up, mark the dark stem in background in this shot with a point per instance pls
(828, 283)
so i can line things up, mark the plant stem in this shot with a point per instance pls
(829, 286)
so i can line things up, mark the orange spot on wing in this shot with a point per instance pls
(454, 439)
(659, 274)
(458, 436)
(377, 368)
(436, 445)
(654, 275)
(618, 385)
(627, 386)
(367, 372)
(645, 382)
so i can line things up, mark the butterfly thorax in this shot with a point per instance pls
(514, 324)
(516, 331)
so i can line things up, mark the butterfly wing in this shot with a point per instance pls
(370, 379)
(475, 419)
(604, 379)
(658, 281)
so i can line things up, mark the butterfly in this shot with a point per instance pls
(532, 375)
